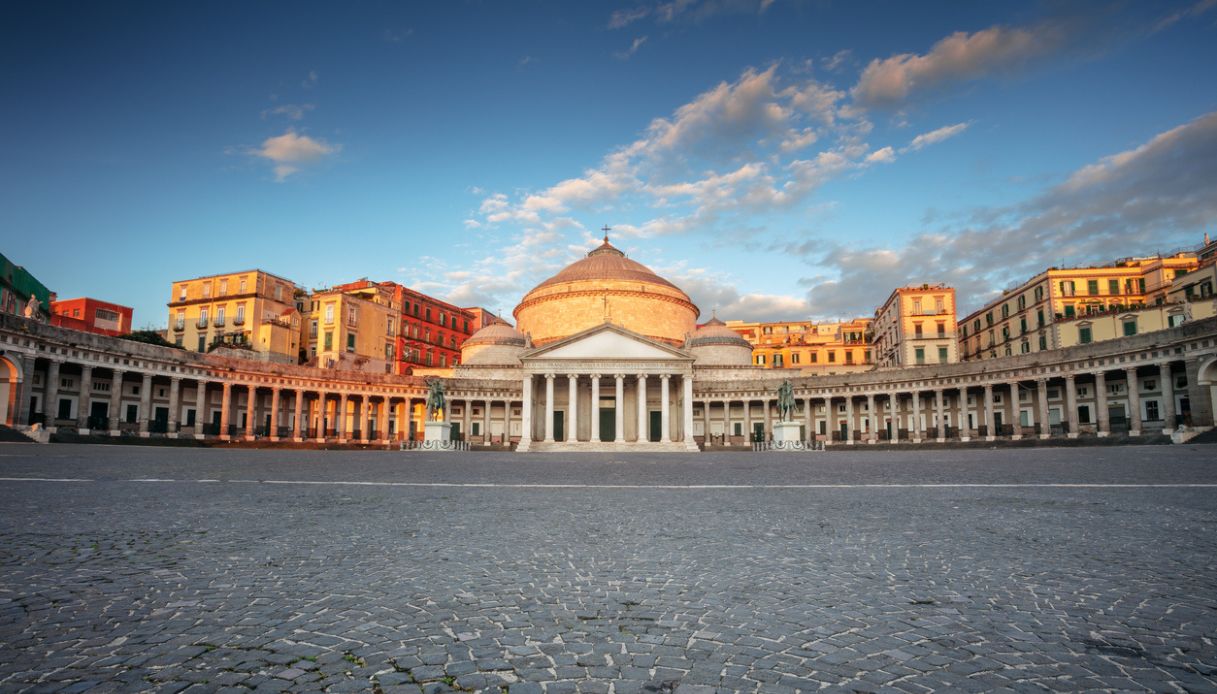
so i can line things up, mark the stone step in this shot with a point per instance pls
(610, 447)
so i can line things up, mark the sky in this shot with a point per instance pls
(776, 159)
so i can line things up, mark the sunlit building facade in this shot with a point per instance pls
(352, 327)
(916, 326)
(829, 347)
(252, 312)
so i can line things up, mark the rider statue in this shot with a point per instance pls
(786, 401)
(435, 400)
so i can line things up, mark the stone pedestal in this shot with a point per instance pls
(437, 431)
(786, 432)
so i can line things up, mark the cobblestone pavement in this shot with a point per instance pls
(229, 570)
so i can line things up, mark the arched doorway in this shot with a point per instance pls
(1206, 377)
(10, 382)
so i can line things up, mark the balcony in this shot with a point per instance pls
(179, 326)
(239, 320)
(219, 322)
(201, 323)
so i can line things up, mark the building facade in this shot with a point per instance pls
(832, 347)
(609, 386)
(253, 313)
(92, 315)
(17, 285)
(352, 327)
(1021, 321)
(916, 326)
(432, 332)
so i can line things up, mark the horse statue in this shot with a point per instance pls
(786, 401)
(435, 400)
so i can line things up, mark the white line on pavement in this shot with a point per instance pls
(525, 485)
(42, 479)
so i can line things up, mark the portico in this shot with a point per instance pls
(607, 388)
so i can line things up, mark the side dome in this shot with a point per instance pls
(497, 344)
(606, 287)
(716, 344)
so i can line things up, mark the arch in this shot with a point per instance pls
(11, 378)
(1206, 377)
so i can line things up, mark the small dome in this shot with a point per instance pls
(497, 333)
(716, 332)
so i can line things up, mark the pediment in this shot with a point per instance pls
(607, 342)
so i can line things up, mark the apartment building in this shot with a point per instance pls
(916, 326)
(352, 327)
(830, 347)
(253, 313)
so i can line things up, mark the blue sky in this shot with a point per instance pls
(777, 159)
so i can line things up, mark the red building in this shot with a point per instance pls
(432, 331)
(92, 315)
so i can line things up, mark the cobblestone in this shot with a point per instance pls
(376, 576)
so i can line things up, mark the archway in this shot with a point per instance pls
(1206, 377)
(10, 381)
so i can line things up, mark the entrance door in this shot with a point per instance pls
(456, 431)
(996, 424)
(608, 423)
(161, 419)
(758, 431)
(99, 412)
(268, 431)
(65, 409)
(559, 430)
(656, 426)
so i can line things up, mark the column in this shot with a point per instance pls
(50, 401)
(274, 413)
(917, 428)
(340, 418)
(145, 405)
(200, 409)
(747, 421)
(365, 421)
(1071, 406)
(961, 414)
(549, 408)
(989, 433)
(572, 409)
(251, 412)
(402, 413)
(84, 404)
(116, 397)
(323, 414)
(1134, 401)
(893, 406)
(384, 414)
(686, 411)
(1042, 393)
(642, 408)
(20, 396)
(768, 420)
(298, 411)
(1103, 416)
(225, 410)
(809, 416)
(705, 423)
(940, 415)
(620, 409)
(525, 413)
(665, 409)
(726, 422)
(1016, 421)
(850, 418)
(1168, 398)
(486, 422)
(595, 408)
(175, 408)
(873, 434)
(467, 419)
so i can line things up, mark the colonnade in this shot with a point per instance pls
(617, 387)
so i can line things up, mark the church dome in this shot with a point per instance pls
(497, 343)
(606, 287)
(716, 344)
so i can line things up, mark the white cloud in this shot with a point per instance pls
(936, 136)
(1194, 10)
(885, 155)
(958, 57)
(624, 18)
(290, 151)
(310, 80)
(629, 52)
(290, 111)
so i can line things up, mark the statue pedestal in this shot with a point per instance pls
(438, 431)
(786, 432)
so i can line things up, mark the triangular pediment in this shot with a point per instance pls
(606, 342)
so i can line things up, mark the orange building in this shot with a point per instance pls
(92, 315)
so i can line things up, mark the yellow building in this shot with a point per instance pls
(838, 347)
(915, 326)
(352, 327)
(1021, 321)
(251, 313)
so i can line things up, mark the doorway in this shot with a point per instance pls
(656, 426)
(608, 423)
(559, 429)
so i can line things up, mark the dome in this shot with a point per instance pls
(496, 344)
(716, 344)
(606, 287)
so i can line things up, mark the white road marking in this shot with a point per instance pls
(574, 485)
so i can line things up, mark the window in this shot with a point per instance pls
(942, 355)
(312, 328)
(832, 356)
(1151, 410)
(352, 315)
(202, 343)
(777, 361)
(389, 327)
(329, 314)
(1141, 286)
(443, 360)
(1022, 301)
(917, 330)
(1084, 335)
(849, 356)
(220, 315)
(180, 323)
(989, 319)
(1070, 312)
(1174, 319)
(350, 342)
(794, 357)
(1039, 294)
(1113, 286)
(1022, 325)
(1067, 288)
(919, 355)
(1005, 311)
(443, 319)
(223, 287)
(760, 361)
(1084, 414)
(207, 290)
(244, 285)
(916, 306)
(1025, 347)
(278, 292)
(815, 357)
(203, 318)
(428, 314)
(329, 340)
(181, 293)
(1092, 287)
(1130, 327)
(938, 305)
(240, 314)
(1043, 342)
